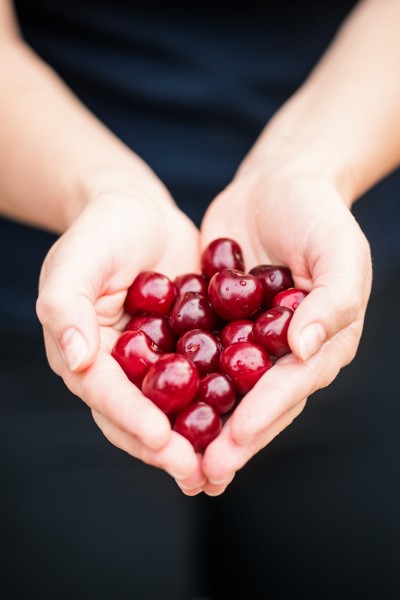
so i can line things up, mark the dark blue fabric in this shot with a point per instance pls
(189, 90)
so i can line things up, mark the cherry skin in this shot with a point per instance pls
(274, 279)
(157, 328)
(271, 329)
(199, 423)
(191, 282)
(192, 311)
(202, 348)
(222, 253)
(290, 298)
(244, 363)
(151, 293)
(217, 391)
(171, 383)
(240, 330)
(234, 294)
(135, 352)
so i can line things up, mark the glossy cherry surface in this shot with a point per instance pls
(135, 352)
(192, 311)
(234, 294)
(151, 293)
(244, 363)
(171, 382)
(271, 329)
(291, 298)
(202, 348)
(157, 328)
(274, 279)
(218, 391)
(199, 423)
(222, 253)
(240, 330)
(191, 282)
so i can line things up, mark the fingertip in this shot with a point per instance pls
(74, 349)
(309, 341)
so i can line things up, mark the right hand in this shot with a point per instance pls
(83, 284)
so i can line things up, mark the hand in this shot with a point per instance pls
(83, 284)
(301, 222)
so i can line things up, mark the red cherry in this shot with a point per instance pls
(171, 382)
(274, 279)
(202, 348)
(192, 311)
(199, 423)
(222, 253)
(191, 282)
(157, 328)
(217, 391)
(240, 330)
(234, 294)
(244, 363)
(270, 330)
(151, 293)
(290, 298)
(135, 352)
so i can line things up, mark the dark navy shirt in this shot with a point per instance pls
(189, 89)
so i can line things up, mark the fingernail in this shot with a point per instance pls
(311, 339)
(73, 347)
(219, 482)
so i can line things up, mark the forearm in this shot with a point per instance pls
(55, 154)
(344, 122)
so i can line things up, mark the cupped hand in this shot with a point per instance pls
(82, 289)
(302, 222)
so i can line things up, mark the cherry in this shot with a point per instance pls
(244, 363)
(234, 294)
(135, 352)
(240, 330)
(290, 298)
(222, 253)
(151, 293)
(217, 391)
(199, 423)
(157, 328)
(171, 382)
(274, 279)
(202, 348)
(191, 282)
(270, 330)
(192, 311)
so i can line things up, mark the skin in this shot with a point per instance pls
(336, 137)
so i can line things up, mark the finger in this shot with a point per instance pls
(288, 382)
(224, 457)
(177, 457)
(341, 284)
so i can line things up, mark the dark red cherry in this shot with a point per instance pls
(237, 331)
(217, 391)
(202, 348)
(135, 352)
(199, 423)
(244, 363)
(171, 383)
(271, 329)
(290, 298)
(234, 294)
(157, 328)
(191, 282)
(222, 253)
(274, 279)
(192, 311)
(151, 293)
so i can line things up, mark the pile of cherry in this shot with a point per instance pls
(196, 345)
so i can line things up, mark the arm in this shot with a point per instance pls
(62, 170)
(336, 137)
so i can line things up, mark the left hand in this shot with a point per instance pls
(301, 222)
